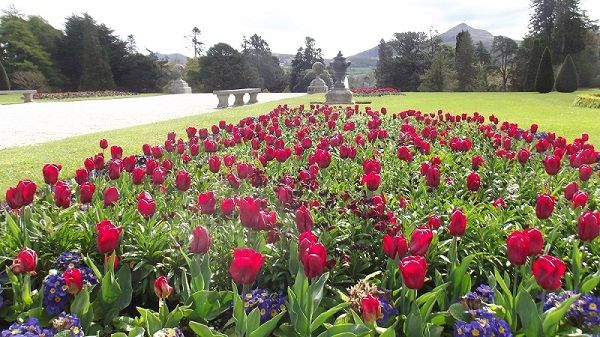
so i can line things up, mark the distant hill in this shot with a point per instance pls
(449, 37)
(369, 57)
(173, 58)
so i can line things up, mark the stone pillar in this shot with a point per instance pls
(239, 99)
(223, 100)
(253, 98)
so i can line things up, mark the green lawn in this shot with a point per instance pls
(18, 98)
(551, 111)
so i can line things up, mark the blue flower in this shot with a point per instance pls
(68, 322)
(269, 304)
(55, 293)
(387, 309)
(487, 294)
(31, 328)
(68, 260)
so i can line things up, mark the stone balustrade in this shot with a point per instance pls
(223, 96)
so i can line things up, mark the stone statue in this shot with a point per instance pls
(317, 85)
(179, 86)
(339, 94)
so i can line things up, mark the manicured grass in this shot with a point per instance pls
(552, 112)
(11, 99)
(18, 98)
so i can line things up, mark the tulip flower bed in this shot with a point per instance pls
(70, 95)
(366, 92)
(320, 221)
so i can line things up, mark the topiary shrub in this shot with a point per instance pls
(588, 101)
(544, 80)
(4, 82)
(567, 78)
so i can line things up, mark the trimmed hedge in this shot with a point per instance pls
(566, 80)
(588, 101)
(4, 82)
(544, 81)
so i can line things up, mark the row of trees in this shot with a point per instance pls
(419, 61)
(86, 56)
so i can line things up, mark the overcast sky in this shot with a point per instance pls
(350, 26)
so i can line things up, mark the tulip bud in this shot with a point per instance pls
(200, 242)
(25, 261)
(162, 289)
(73, 280)
(370, 308)
(458, 223)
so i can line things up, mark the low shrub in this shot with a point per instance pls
(587, 101)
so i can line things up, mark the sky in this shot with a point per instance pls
(350, 26)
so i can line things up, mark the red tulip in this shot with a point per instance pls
(115, 261)
(103, 144)
(249, 211)
(210, 146)
(585, 172)
(473, 182)
(25, 261)
(191, 131)
(370, 308)
(458, 223)
(570, 190)
(162, 289)
(404, 153)
(413, 270)
(99, 162)
(86, 192)
(137, 175)
(114, 169)
(246, 265)
(580, 198)
(146, 206)
(432, 176)
(233, 180)
(82, 175)
(371, 165)
(434, 222)
(107, 239)
(129, 163)
(588, 226)
(62, 194)
(116, 152)
(304, 221)
(305, 240)
(536, 241)
(229, 160)
(73, 280)
(21, 195)
(200, 242)
(158, 176)
(111, 196)
(322, 158)
(552, 164)
(523, 156)
(207, 202)
(227, 206)
(395, 246)
(544, 206)
(372, 180)
(214, 164)
(477, 161)
(517, 245)
(314, 260)
(50, 172)
(183, 180)
(548, 271)
(420, 239)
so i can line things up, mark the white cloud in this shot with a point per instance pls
(350, 26)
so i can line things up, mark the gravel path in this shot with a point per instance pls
(33, 123)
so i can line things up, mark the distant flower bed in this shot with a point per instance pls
(375, 91)
(81, 94)
(588, 101)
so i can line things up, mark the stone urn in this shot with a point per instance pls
(179, 86)
(339, 94)
(317, 85)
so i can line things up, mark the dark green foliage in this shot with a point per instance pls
(504, 50)
(544, 80)
(4, 82)
(566, 80)
(411, 61)
(257, 53)
(532, 65)
(541, 22)
(95, 68)
(465, 61)
(142, 74)
(303, 61)
(440, 76)
(483, 55)
(224, 68)
(383, 72)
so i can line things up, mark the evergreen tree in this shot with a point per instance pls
(532, 65)
(504, 50)
(544, 80)
(465, 61)
(223, 67)
(570, 27)
(302, 62)
(566, 80)
(411, 61)
(95, 68)
(483, 55)
(541, 22)
(258, 54)
(4, 82)
(384, 69)
(440, 76)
